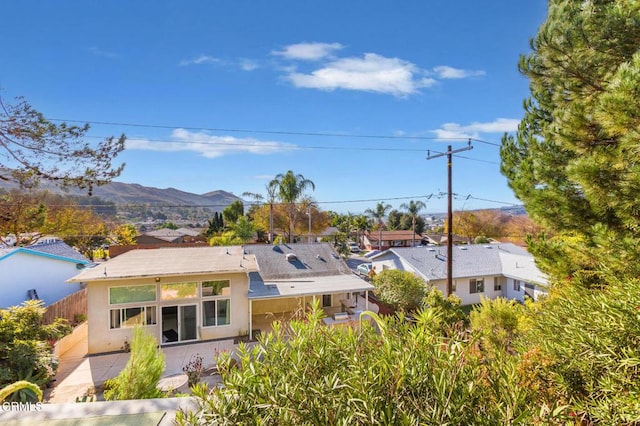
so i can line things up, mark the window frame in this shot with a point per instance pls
(144, 313)
(137, 302)
(202, 287)
(215, 302)
(497, 285)
(330, 300)
(474, 284)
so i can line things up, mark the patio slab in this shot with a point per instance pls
(78, 372)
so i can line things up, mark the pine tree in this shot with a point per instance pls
(573, 161)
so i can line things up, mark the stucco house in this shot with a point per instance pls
(201, 293)
(479, 270)
(38, 271)
(291, 276)
(390, 239)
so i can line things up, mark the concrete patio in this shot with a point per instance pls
(79, 372)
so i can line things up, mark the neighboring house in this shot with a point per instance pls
(292, 276)
(173, 236)
(391, 239)
(479, 270)
(39, 272)
(202, 293)
(440, 239)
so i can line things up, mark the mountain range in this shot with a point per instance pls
(132, 193)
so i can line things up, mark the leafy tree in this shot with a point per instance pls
(21, 213)
(413, 208)
(228, 238)
(25, 346)
(80, 228)
(573, 160)
(243, 229)
(36, 149)
(125, 234)
(378, 214)
(232, 212)
(290, 188)
(400, 289)
(168, 225)
(214, 226)
(394, 219)
(140, 376)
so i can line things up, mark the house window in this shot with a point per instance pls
(497, 286)
(132, 294)
(215, 288)
(516, 285)
(131, 316)
(179, 291)
(326, 300)
(476, 285)
(216, 312)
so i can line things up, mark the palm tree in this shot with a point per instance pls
(413, 208)
(379, 214)
(271, 188)
(290, 188)
(361, 223)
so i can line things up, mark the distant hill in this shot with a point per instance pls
(135, 194)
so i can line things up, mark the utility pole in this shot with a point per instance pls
(449, 155)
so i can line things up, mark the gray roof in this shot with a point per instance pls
(296, 287)
(317, 269)
(170, 262)
(471, 260)
(57, 249)
(312, 260)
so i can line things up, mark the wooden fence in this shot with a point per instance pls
(70, 307)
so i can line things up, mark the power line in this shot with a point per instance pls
(439, 195)
(292, 146)
(273, 132)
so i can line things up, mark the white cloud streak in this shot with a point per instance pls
(446, 72)
(371, 73)
(209, 146)
(473, 130)
(202, 59)
(95, 50)
(308, 51)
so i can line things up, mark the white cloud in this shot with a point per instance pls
(248, 65)
(202, 59)
(446, 72)
(95, 50)
(473, 130)
(209, 146)
(308, 51)
(372, 73)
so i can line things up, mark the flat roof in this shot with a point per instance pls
(170, 261)
(305, 286)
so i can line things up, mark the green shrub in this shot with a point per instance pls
(387, 371)
(139, 378)
(26, 351)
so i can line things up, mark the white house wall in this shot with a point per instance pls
(462, 287)
(21, 272)
(103, 339)
(512, 293)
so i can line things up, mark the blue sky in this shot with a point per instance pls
(227, 94)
